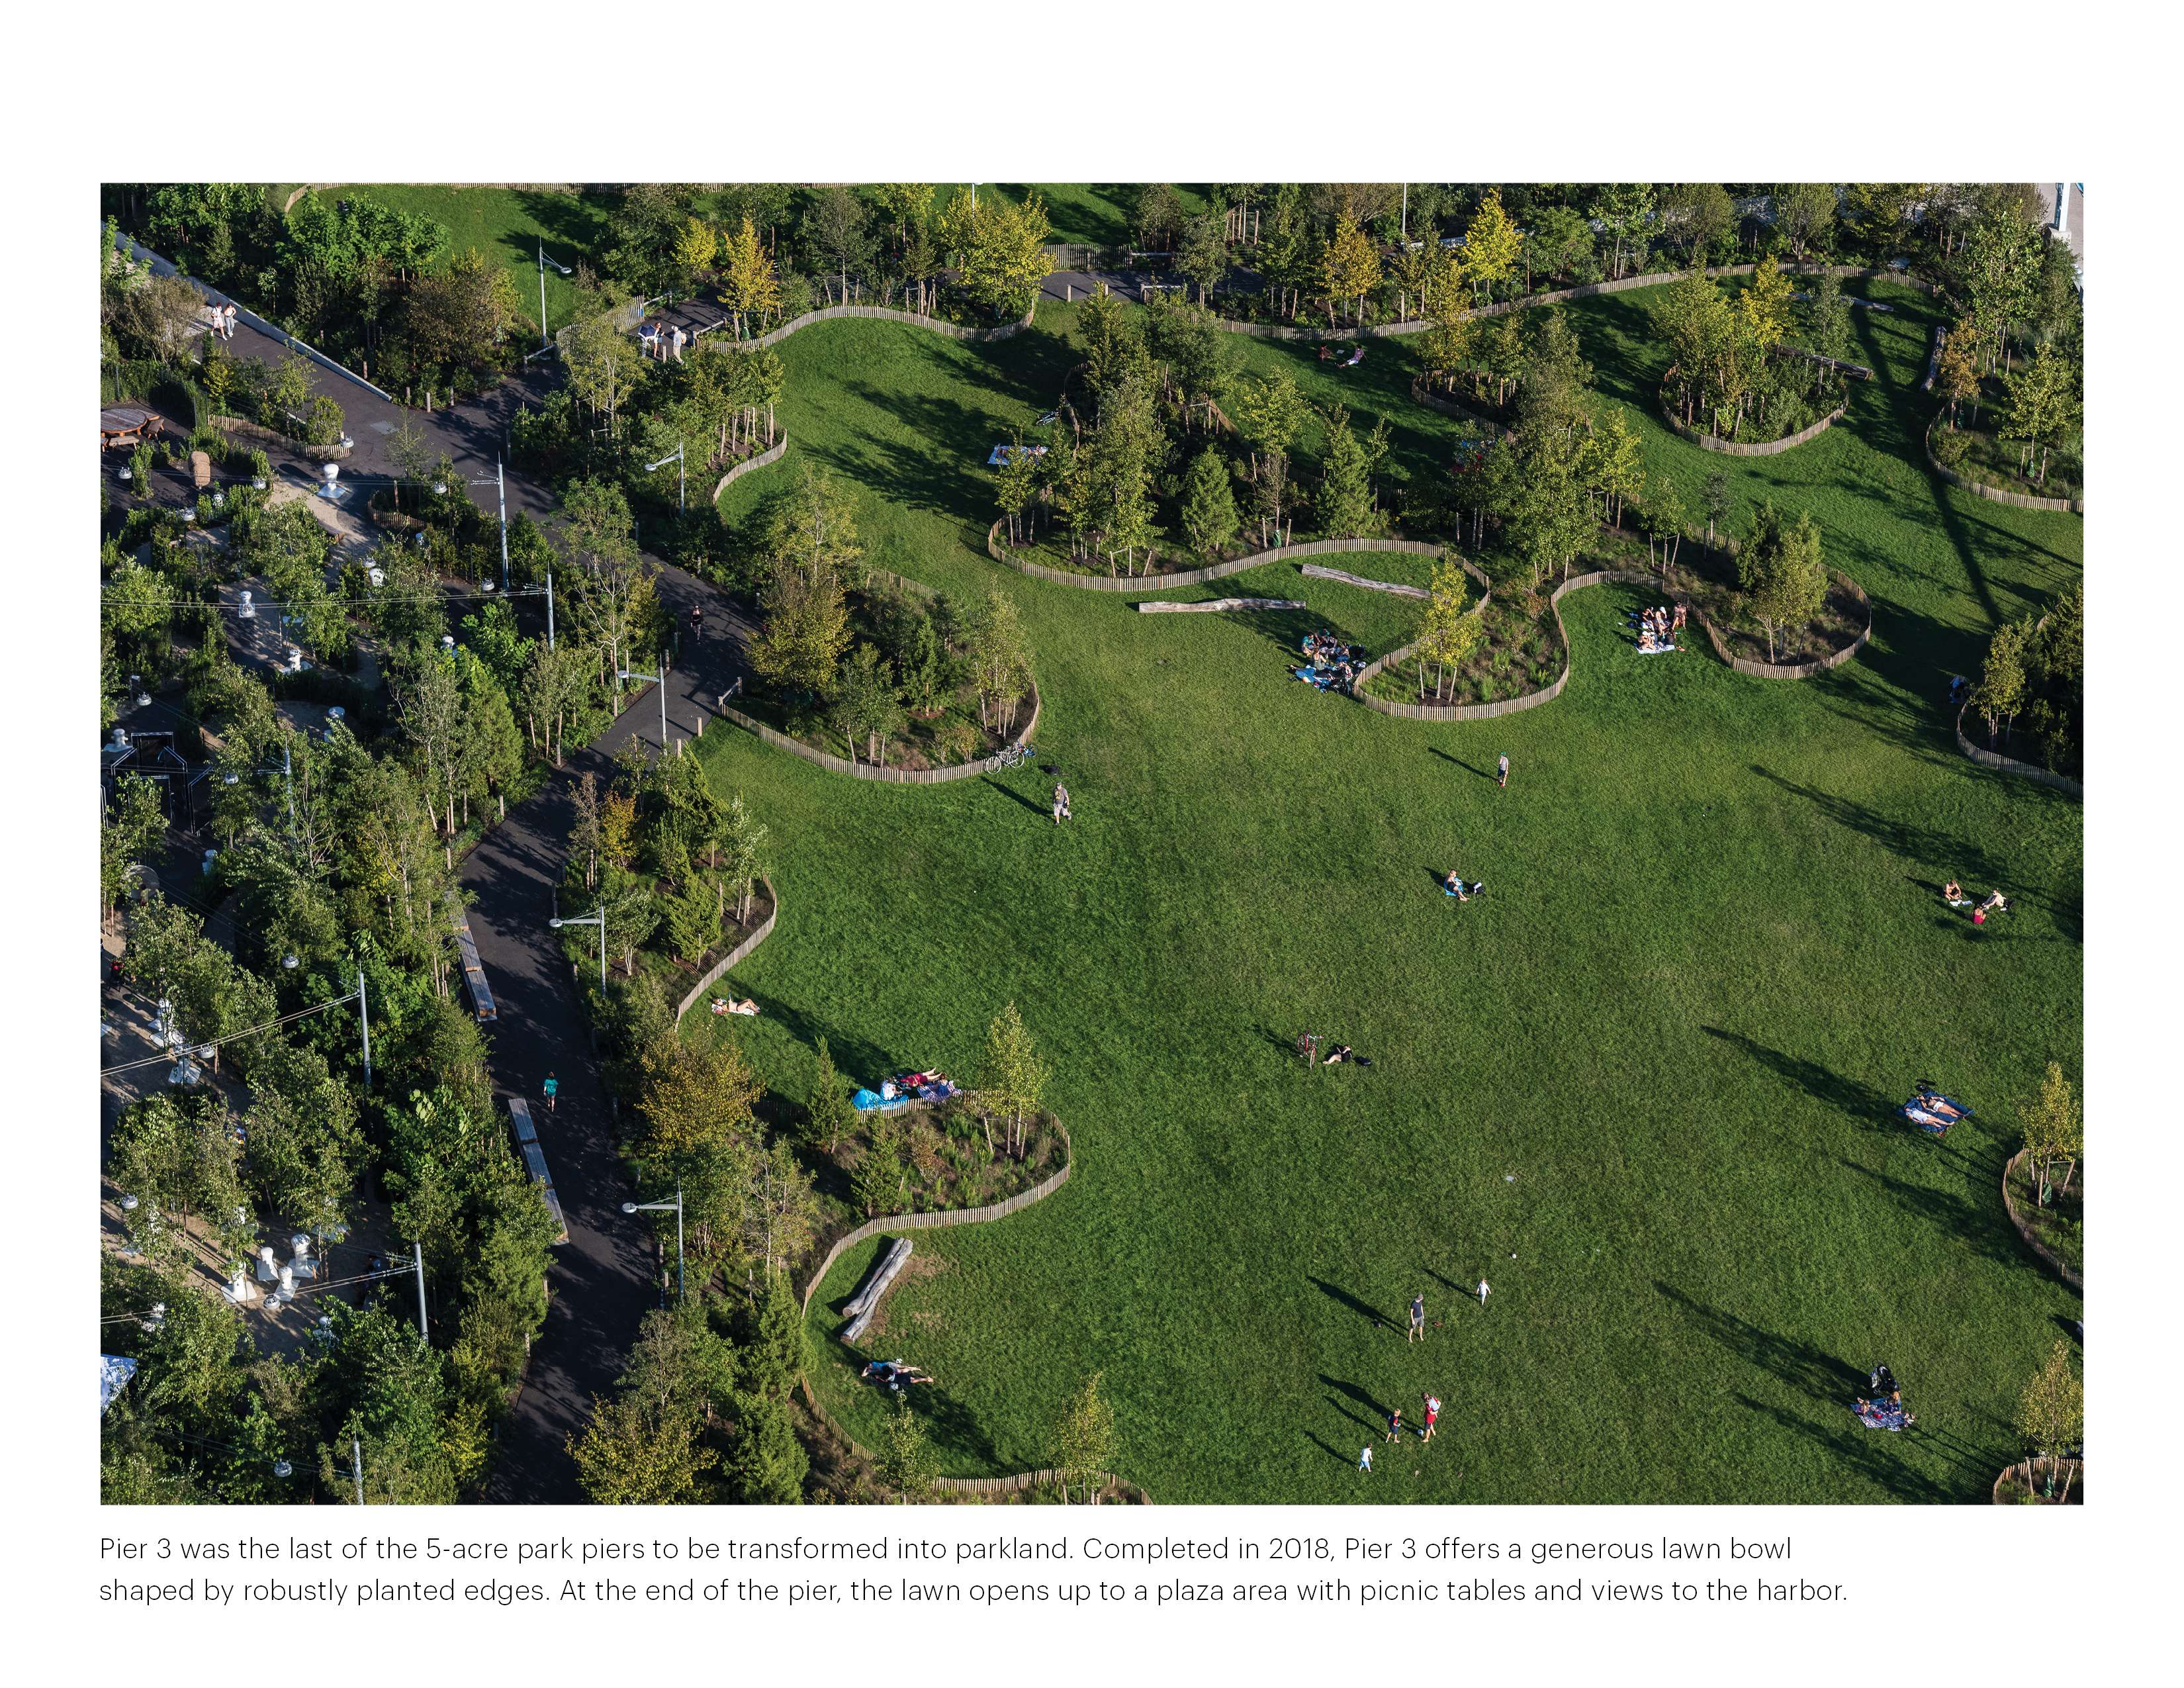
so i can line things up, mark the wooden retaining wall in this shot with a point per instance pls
(2010, 764)
(876, 313)
(2074, 1280)
(925, 1222)
(771, 455)
(736, 956)
(1997, 495)
(1771, 448)
(835, 764)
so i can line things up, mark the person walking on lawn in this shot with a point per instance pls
(1365, 1458)
(1502, 778)
(1482, 1292)
(1417, 1318)
(1394, 1423)
(1432, 1413)
(1060, 803)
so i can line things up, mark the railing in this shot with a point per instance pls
(2010, 764)
(1094, 582)
(771, 455)
(736, 956)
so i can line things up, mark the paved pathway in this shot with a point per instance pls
(602, 1279)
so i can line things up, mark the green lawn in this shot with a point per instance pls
(1643, 1085)
(507, 224)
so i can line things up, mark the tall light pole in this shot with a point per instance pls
(600, 920)
(543, 260)
(364, 1024)
(662, 1208)
(660, 680)
(424, 1326)
(674, 457)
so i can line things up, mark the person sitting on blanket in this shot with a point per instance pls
(1454, 886)
(1995, 903)
(722, 1004)
(1953, 893)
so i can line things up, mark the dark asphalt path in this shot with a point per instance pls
(603, 1279)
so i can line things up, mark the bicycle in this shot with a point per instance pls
(1015, 758)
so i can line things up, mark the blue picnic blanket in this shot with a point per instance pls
(1877, 1416)
(1934, 1114)
(871, 1101)
(1321, 677)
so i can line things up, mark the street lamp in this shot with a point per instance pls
(660, 680)
(674, 457)
(543, 260)
(662, 1207)
(600, 920)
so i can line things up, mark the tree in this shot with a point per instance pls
(604, 365)
(1270, 414)
(632, 1454)
(1084, 1438)
(1804, 211)
(1209, 505)
(1780, 573)
(1349, 270)
(130, 826)
(1345, 491)
(697, 243)
(766, 1464)
(772, 1357)
(1623, 209)
(748, 285)
(1204, 255)
(1694, 215)
(743, 848)
(696, 1096)
(1000, 666)
(1007, 260)
(876, 1184)
(1016, 483)
(2055, 1130)
(1013, 1075)
(868, 703)
(833, 228)
(1560, 243)
(1156, 216)
(829, 1118)
(2040, 403)
(2001, 691)
(1715, 499)
(905, 1461)
(1618, 468)
(1665, 517)
(1956, 375)
(1492, 246)
(2051, 1414)
(1448, 633)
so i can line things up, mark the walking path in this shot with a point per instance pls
(602, 1279)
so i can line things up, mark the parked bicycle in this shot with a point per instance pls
(1016, 758)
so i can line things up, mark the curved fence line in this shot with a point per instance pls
(1045, 1187)
(1422, 394)
(2074, 1280)
(1765, 670)
(1269, 331)
(735, 956)
(2074, 1470)
(1728, 448)
(1797, 670)
(2010, 764)
(835, 764)
(771, 455)
(1095, 582)
(953, 331)
(1998, 495)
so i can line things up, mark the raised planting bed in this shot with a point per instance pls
(1986, 465)
(2057, 1232)
(2026, 1483)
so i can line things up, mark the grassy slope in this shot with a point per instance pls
(1710, 959)
(507, 224)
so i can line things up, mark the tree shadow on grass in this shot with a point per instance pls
(1809, 1370)
(1370, 1315)
(1851, 1095)
(1870, 1453)
(1979, 1224)
(854, 1057)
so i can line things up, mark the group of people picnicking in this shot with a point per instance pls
(1330, 663)
(1658, 627)
(1881, 1407)
(1994, 903)
(1333, 354)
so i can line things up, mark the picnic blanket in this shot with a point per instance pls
(1001, 454)
(901, 1091)
(1657, 650)
(1876, 1415)
(1934, 1114)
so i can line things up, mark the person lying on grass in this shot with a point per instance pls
(1995, 903)
(1342, 1052)
(895, 1374)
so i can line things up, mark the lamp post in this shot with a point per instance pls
(660, 680)
(543, 260)
(662, 1207)
(674, 457)
(600, 920)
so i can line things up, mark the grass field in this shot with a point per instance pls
(507, 224)
(1643, 1085)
